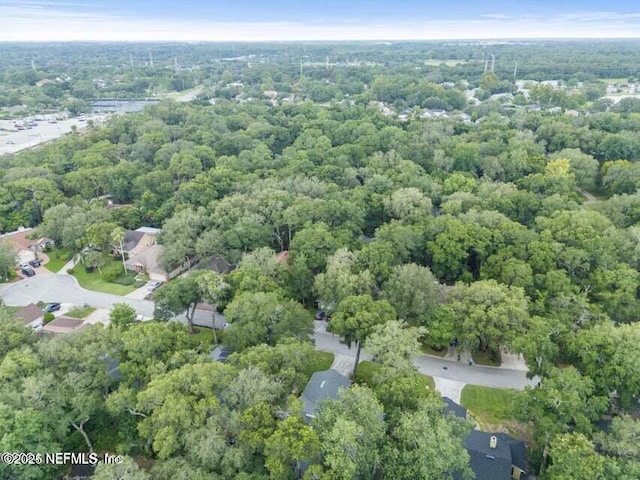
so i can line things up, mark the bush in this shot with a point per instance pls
(111, 272)
(48, 317)
(88, 269)
(139, 283)
(70, 271)
(124, 280)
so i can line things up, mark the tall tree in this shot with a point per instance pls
(356, 317)
(181, 295)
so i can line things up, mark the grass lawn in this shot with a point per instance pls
(204, 335)
(94, 281)
(490, 359)
(489, 405)
(80, 312)
(322, 361)
(57, 259)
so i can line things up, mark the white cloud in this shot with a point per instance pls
(53, 23)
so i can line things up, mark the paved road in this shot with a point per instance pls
(65, 289)
(435, 366)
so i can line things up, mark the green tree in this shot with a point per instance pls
(426, 444)
(256, 318)
(395, 345)
(8, 259)
(574, 458)
(490, 315)
(122, 315)
(351, 430)
(413, 292)
(181, 295)
(128, 469)
(340, 280)
(356, 317)
(291, 444)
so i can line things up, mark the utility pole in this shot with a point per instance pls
(33, 65)
(515, 72)
(131, 59)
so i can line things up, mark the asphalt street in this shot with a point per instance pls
(65, 289)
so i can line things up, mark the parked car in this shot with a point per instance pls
(153, 285)
(51, 307)
(35, 263)
(320, 315)
(29, 272)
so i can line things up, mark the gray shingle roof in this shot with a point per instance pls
(131, 239)
(220, 354)
(494, 463)
(323, 385)
(453, 408)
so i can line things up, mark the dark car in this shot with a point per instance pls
(29, 272)
(35, 263)
(51, 307)
(320, 315)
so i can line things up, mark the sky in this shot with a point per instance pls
(292, 20)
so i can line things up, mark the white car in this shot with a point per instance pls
(153, 285)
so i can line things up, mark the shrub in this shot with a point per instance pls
(139, 283)
(124, 280)
(111, 272)
(70, 271)
(88, 269)
(48, 317)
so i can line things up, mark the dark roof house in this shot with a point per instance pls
(453, 408)
(323, 385)
(62, 325)
(496, 456)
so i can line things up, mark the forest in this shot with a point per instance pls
(513, 231)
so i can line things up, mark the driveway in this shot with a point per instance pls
(65, 289)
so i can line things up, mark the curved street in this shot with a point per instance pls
(64, 288)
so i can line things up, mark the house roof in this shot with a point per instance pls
(215, 263)
(63, 324)
(148, 259)
(18, 238)
(149, 230)
(453, 408)
(30, 313)
(494, 463)
(220, 354)
(323, 385)
(131, 239)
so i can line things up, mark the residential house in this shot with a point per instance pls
(493, 456)
(216, 264)
(323, 385)
(146, 261)
(32, 316)
(496, 456)
(63, 325)
(136, 241)
(453, 408)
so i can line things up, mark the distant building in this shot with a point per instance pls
(136, 241)
(323, 385)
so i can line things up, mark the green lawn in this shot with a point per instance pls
(94, 281)
(80, 312)
(57, 259)
(322, 361)
(489, 405)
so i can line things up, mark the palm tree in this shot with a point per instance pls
(117, 236)
(94, 259)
